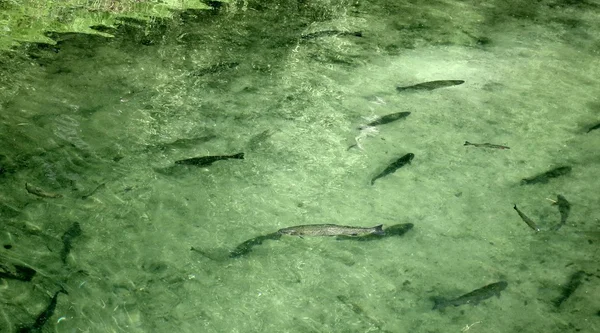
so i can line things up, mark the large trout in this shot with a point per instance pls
(330, 230)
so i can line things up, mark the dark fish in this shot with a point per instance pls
(85, 196)
(329, 230)
(402, 161)
(43, 317)
(246, 247)
(73, 232)
(574, 282)
(41, 193)
(257, 140)
(545, 177)
(208, 160)
(358, 310)
(214, 68)
(595, 127)
(388, 118)
(485, 145)
(527, 220)
(474, 297)
(19, 273)
(395, 230)
(328, 33)
(564, 208)
(431, 85)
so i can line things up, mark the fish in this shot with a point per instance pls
(485, 145)
(365, 132)
(575, 281)
(73, 232)
(474, 297)
(402, 161)
(43, 317)
(257, 140)
(395, 230)
(41, 193)
(388, 118)
(359, 311)
(431, 85)
(527, 220)
(564, 208)
(546, 176)
(220, 67)
(329, 230)
(85, 196)
(246, 247)
(328, 33)
(595, 127)
(208, 160)
(19, 273)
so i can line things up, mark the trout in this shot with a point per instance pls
(431, 85)
(208, 160)
(330, 230)
(474, 297)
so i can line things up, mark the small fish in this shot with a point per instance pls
(595, 127)
(329, 230)
(246, 247)
(527, 220)
(41, 193)
(208, 160)
(388, 118)
(474, 297)
(485, 145)
(574, 282)
(215, 69)
(85, 196)
(73, 232)
(328, 33)
(564, 208)
(43, 317)
(257, 140)
(358, 310)
(365, 132)
(546, 176)
(431, 85)
(402, 161)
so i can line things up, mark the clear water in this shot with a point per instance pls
(93, 110)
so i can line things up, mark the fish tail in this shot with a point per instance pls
(238, 156)
(439, 303)
(467, 143)
(379, 230)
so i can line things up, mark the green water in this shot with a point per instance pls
(93, 110)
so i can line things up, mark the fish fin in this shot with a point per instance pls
(379, 230)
